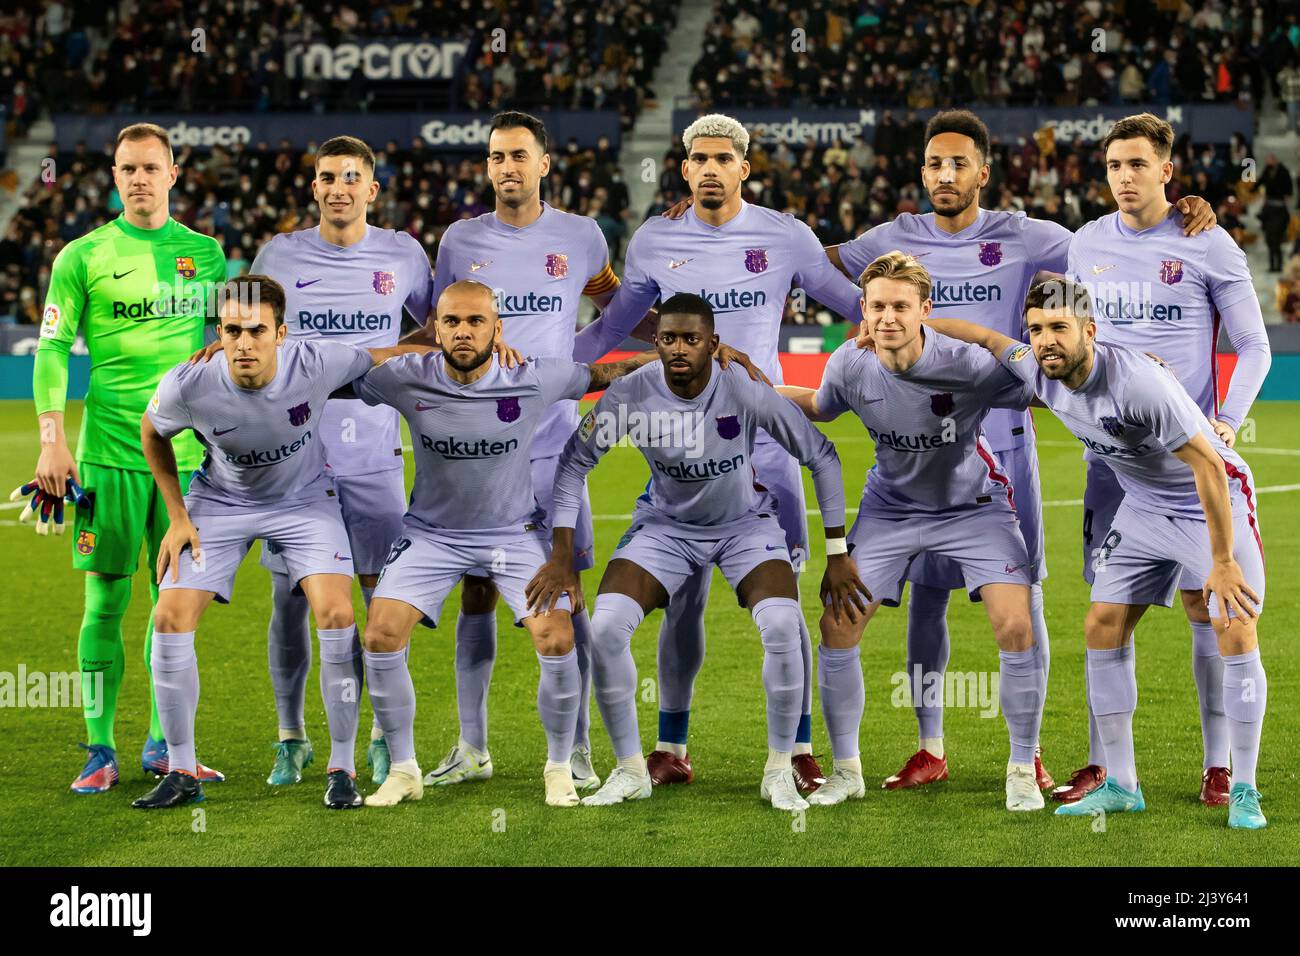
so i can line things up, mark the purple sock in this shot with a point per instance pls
(288, 652)
(1112, 688)
(778, 629)
(1207, 668)
(839, 677)
(557, 702)
(613, 622)
(176, 688)
(476, 651)
(927, 650)
(342, 671)
(582, 646)
(1245, 698)
(392, 695)
(1020, 694)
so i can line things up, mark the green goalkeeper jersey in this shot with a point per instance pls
(140, 298)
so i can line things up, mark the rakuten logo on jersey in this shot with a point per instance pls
(734, 300)
(259, 458)
(343, 323)
(691, 471)
(183, 134)
(530, 303)
(1114, 451)
(462, 449)
(915, 443)
(166, 308)
(964, 293)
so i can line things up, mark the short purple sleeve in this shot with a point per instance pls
(1048, 245)
(380, 385)
(561, 379)
(167, 409)
(340, 363)
(420, 300)
(1159, 402)
(832, 398)
(1018, 359)
(1227, 274)
(857, 254)
(998, 385)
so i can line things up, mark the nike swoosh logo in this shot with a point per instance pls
(674, 263)
(302, 285)
(419, 407)
(1098, 270)
(448, 770)
(123, 275)
(475, 266)
(219, 432)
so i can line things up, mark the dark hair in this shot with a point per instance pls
(514, 119)
(252, 291)
(137, 131)
(1153, 129)
(963, 122)
(688, 303)
(347, 146)
(1061, 294)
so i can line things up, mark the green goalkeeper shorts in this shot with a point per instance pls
(126, 511)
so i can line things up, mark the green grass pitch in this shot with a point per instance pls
(717, 820)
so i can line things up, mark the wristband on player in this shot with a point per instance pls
(836, 546)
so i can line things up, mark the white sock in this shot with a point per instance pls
(407, 766)
(777, 760)
(933, 746)
(850, 764)
(293, 733)
(634, 763)
(677, 750)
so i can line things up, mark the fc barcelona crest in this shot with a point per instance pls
(990, 253)
(185, 267)
(507, 409)
(557, 265)
(1113, 426)
(384, 283)
(299, 414)
(942, 404)
(85, 542)
(728, 426)
(756, 260)
(1171, 271)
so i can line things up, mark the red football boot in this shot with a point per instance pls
(667, 767)
(1082, 782)
(921, 768)
(1215, 784)
(808, 775)
(1045, 781)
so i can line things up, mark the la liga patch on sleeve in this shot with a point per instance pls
(587, 425)
(1020, 352)
(50, 321)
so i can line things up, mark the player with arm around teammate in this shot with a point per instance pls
(696, 424)
(473, 507)
(934, 488)
(1188, 510)
(264, 477)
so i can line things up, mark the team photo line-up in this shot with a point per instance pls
(291, 436)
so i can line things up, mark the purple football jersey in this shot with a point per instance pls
(699, 451)
(472, 460)
(744, 268)
(980, 274)
(538, 274)
(1159, 291)
(925, 423)
(353, 294)
(1133, 413)
(263, 444)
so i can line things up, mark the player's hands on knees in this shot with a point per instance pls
(1228, 584)
(725, 355)
(53, 468)
(843, 590)
(1224, 431)
(205, 353)
(554, 578)
(48, 506)
(1198, 215)
(180, 535)
(678, 209)
(507, 356)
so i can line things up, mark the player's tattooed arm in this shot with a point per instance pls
(1226, 580)
(181, 533)
(1198, 215)
(602, 373)
(805, 399)
(555, 577)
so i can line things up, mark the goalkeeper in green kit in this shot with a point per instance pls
(138, 289)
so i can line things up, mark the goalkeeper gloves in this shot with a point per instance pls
(49, 506)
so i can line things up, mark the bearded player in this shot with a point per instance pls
(1158, 290)
(983, 262)
(138, 291)
(743, 260)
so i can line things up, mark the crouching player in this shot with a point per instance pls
(935, 488)
(472, 509)
(1188, 508)
(264, 476)
(696, 427)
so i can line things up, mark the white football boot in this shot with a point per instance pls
(1022, 787)
(584, 776)
(841, 785)
(778, 786)
(559, 785)
(397, 786)
(623, 784)
(462, 764)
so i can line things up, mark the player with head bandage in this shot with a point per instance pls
(934, 488)
(264, 477)
(1188, 513)
(744, 260)
(473, 508)
(696, 426)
